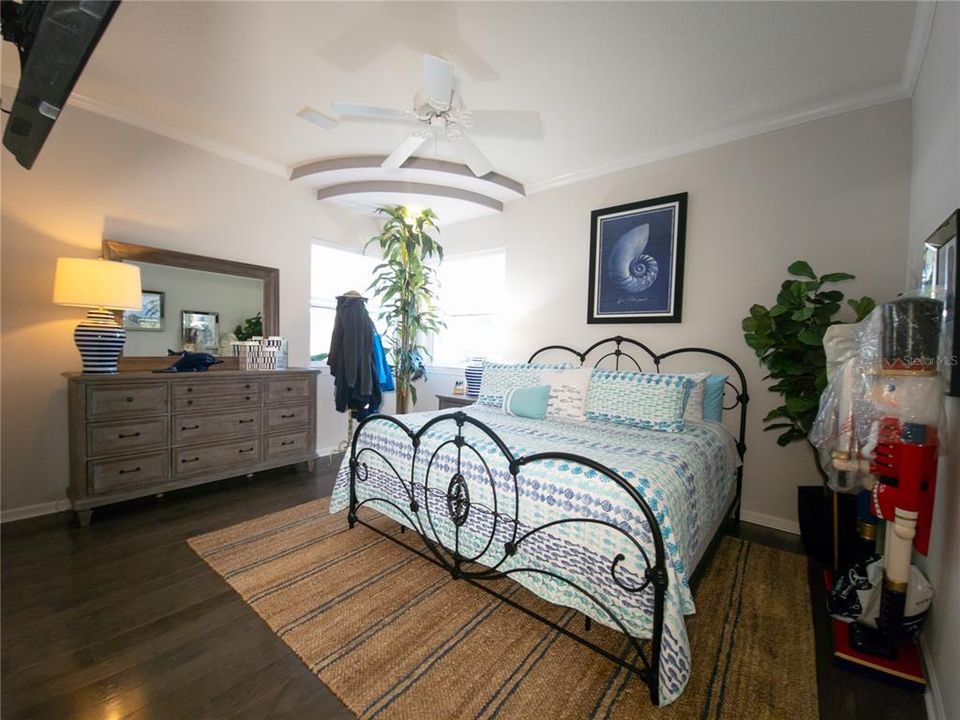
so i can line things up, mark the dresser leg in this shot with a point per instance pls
(84, 517)
(311, 464)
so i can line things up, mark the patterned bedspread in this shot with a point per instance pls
(686, 478)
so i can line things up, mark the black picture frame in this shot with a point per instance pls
(942, 270)
(151, 315)
(636, 261)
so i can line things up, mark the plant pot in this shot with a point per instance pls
(815, 511)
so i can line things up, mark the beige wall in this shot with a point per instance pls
(98, 178)
(833, 192)
(934, 194)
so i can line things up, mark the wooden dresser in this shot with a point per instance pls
(139, 433)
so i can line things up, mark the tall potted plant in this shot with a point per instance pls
(788, 339)
(405, 284)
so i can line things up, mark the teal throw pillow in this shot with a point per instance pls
(527, 402)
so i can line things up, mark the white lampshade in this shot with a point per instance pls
(81, 282)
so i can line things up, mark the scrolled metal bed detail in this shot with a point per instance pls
(468, 515)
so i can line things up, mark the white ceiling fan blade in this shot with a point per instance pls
(506, 123)
(407, 148)
(471, 155)
(438, 81)
(368, 112)
(318, 118)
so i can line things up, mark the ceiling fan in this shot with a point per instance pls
(439, 114)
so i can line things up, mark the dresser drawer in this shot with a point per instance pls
(116, 474)
(282, 389)
(291, 443)
(106, 401)
(113, 438)
(189, 461)
(285, 416)
(203, 428)
(207, 395)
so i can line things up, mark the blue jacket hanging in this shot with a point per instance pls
(384, 373)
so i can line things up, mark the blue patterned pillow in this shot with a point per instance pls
(500, 377)
(713, 397)
(646, 400)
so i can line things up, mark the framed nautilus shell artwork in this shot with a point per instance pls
(636, 261)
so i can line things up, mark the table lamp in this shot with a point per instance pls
(102, 286)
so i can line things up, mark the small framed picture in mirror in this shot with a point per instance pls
(150, 314)
(940, 271)
(200, 330)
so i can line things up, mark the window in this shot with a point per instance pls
(472, 287)
(334, 271)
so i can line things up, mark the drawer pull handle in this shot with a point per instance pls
(288, 442)
(189, 389)
(124, 472)
(287, 417)
(244, 422)
(247, 386)
(246, 397)
(189, 402)
(289, 389)
(124, 436)
(241, 451)
(188, 460)
(189, 427)
(129, 398)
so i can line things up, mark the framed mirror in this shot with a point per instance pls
(237, 300)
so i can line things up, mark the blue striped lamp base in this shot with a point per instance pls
(100, 338)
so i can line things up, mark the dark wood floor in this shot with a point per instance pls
(122, 619)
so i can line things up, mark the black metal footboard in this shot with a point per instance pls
(468, 512)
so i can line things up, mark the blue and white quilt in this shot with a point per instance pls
(687, 479)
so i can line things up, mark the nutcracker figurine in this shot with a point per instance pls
(896, 465)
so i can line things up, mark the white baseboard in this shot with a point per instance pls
(29, 511)
(770, 521)
(932, 699)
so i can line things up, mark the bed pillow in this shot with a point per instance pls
(694, 408)
(714, 388)
(652, 401)
(500, 377)
(568, 393)
(527, 402)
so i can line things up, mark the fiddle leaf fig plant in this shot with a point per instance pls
(405, 283)
(250, 328)
(788, 339)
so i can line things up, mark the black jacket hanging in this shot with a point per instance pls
(351, 358)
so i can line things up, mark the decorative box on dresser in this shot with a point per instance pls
(138, 433)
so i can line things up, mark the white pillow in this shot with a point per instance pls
(568, 393)
(694, 409)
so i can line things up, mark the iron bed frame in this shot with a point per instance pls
(458, 506)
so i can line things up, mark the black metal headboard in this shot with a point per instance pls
(613, 347)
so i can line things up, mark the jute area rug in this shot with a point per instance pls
(395, 637)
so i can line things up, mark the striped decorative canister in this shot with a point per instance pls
(100, 338)
(474, 375)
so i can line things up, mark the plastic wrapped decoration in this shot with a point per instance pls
(856, 595)
(885, 365)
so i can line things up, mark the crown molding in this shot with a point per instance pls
(919, 39)
(882, 96)
(143, 122)
(913, 63)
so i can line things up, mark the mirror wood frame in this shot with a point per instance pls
(120, 251)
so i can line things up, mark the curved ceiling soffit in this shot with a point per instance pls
(356, 175)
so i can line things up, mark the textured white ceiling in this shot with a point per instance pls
(612, 81)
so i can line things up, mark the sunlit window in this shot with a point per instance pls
(334, 271)
(471, 299)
